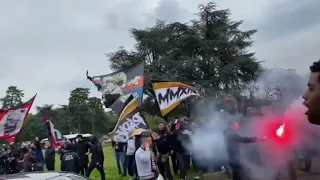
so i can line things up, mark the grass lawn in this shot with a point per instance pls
(110, 166)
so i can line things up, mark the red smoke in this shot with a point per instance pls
(279, 132)
(284, 133)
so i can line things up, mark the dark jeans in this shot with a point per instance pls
(120, 159)
(182, 158)
(164, 169)
(174, 163)
(38, 166)
(290, 170)
(83, 170)
(238, 172)
(99, 167)
(130, 165)
(50, 165)
(200, 165)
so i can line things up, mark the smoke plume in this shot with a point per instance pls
(264, 159)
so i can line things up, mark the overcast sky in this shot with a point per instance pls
(47, 46)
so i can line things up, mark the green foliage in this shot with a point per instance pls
(12, 98)
(210, 53)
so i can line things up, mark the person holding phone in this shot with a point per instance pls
(145, 164)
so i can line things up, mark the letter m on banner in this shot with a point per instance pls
(170, 94)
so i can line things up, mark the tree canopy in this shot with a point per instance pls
(209, 52)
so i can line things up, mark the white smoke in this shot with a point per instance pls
(208, 143)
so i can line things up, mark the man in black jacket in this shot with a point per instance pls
(82, 148)
(70, 160)
(233, 141)
(163, 151)
(50, 154)
(174, 161)
(97, 157)
(181, 137)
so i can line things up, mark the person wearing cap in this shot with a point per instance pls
(146, 166)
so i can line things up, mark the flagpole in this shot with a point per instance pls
(69, 120)
(92, 116)
(78, 120)
(92, 128)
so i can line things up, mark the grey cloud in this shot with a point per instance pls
(46, 46)
(124, 18)
(288, 18)
(168, 10)
(77, 81)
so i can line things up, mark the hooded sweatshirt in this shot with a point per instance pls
(96, 151)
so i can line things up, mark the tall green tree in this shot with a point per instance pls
(12, 98)
(227, 63)
(210, 53)
(46, 109)
(95, 103)
(79, 109)
(63, 120)
(96, 109)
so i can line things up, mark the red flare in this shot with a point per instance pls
(280, 130)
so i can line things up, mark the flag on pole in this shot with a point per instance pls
(121, 83)
(129, 120)
(54, 135)
(170, 94)
(12, 119)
